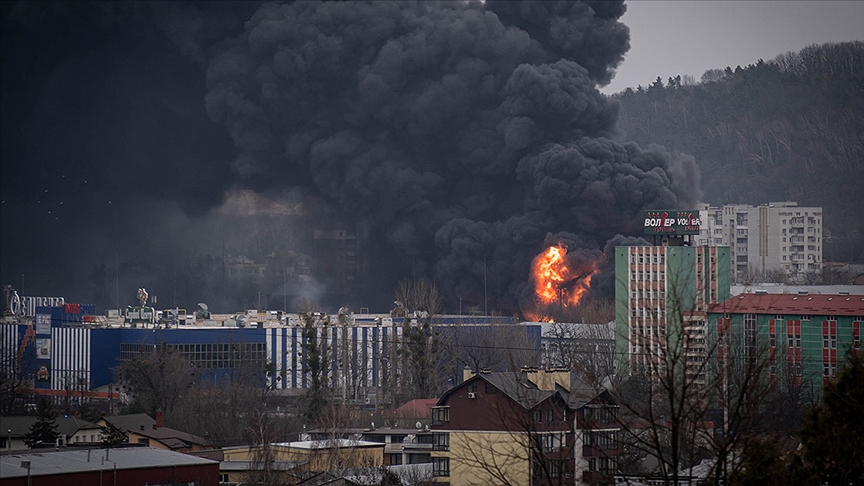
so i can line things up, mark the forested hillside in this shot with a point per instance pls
(787, 129)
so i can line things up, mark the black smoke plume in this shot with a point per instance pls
(460, 138)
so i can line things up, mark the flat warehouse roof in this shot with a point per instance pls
(89, 460)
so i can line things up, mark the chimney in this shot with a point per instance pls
(160, 420)
(467, 373)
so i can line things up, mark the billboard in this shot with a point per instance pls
(671, 222)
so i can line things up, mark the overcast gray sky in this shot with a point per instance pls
(689, 37)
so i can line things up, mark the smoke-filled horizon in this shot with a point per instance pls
(456, 140)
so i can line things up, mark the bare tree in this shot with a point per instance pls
(587, 350)
(418, 302)
(315, 363)
(159, 379)
(12, 380)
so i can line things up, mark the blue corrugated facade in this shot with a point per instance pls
(60, 350)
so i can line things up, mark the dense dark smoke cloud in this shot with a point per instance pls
(464, 136)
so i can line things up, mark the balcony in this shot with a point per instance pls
(797, 257)
(797, 239)
(591, 451)
(597, 477)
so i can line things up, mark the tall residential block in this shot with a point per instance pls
(778, 236)
(663, 293)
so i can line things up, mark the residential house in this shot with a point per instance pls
(70, 430)
(401, 446)
(317, 455)
(143, 429)
(527, 427)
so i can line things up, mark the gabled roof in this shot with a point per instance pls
(812, 304)
(583, 394)
(145, 426)
(420, 408)
(66, 426)
(172, 438)
(515, 385)
(133, 422)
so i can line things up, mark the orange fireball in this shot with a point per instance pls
(557, 280)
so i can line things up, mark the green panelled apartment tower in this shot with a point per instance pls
(662, 295)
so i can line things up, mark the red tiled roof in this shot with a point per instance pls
(420, 408)
(811, 304)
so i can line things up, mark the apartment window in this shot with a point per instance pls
(632, 312)
(441, 466)
(654, 260)
(549, 442)
(632, 258)
(601, 440)
(605, 465)
(538, 416)
(598, 415)
(778, 317)
(550, 415)
(749, 334)
(472, 387)
(490, 388)
(640, 259)
(633, 294)
(805, 318)
(662, 275)
(662, 259)
(441, 441)
(632, 275)
(440, 415)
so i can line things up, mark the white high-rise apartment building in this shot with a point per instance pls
(770, 237)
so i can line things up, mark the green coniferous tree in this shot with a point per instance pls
(832, 433)
(112, 436)
(44, 429)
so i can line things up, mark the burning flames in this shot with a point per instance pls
(559, 279)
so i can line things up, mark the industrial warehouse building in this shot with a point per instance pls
(132, 466)
(70, 352)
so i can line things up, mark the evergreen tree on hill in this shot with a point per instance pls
(788, 129)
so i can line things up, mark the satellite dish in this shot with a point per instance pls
(418, 425)
(373, 425)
